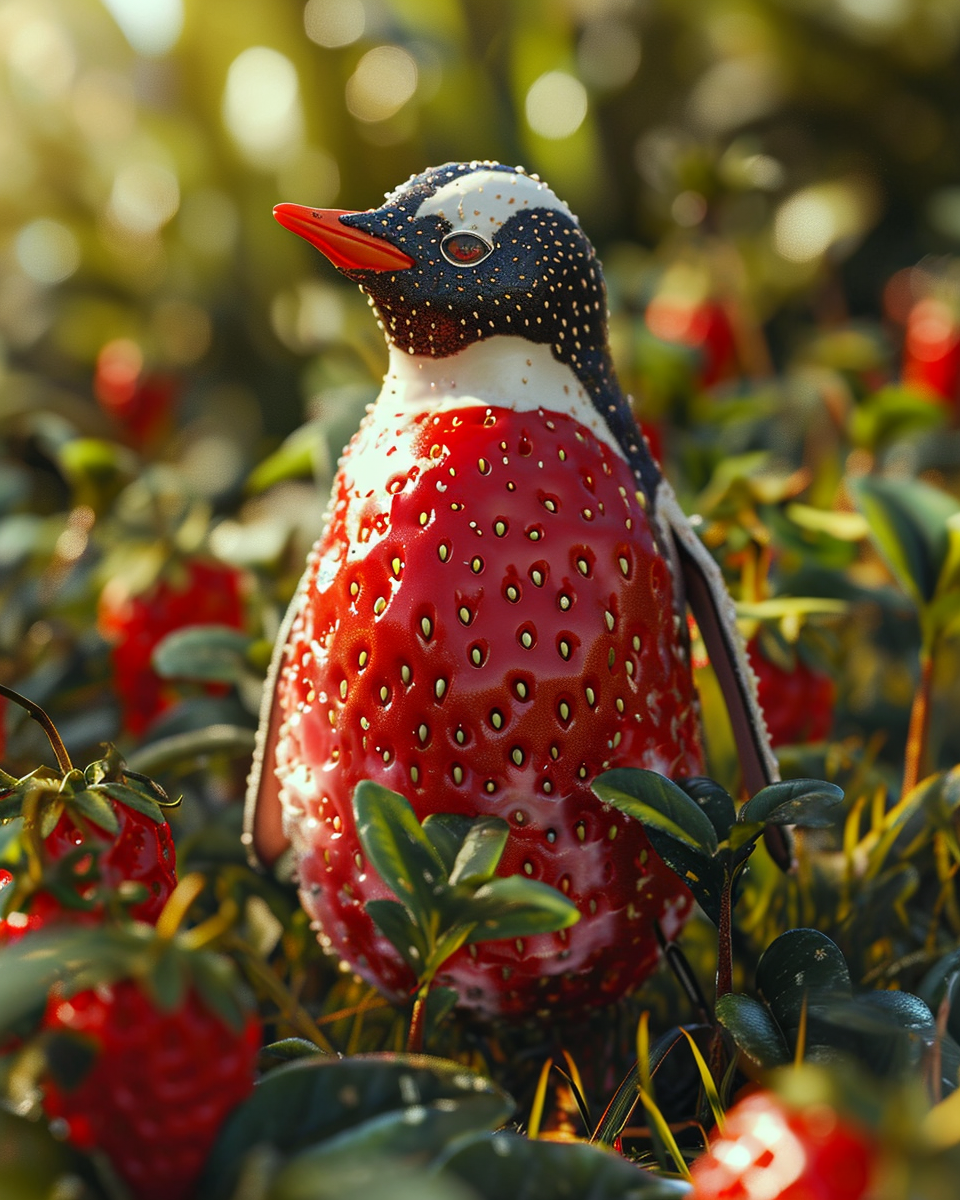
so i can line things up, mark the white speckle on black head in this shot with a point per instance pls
(497, 253)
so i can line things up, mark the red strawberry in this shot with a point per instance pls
(705, 326)
(194, 592)
(87, 835)
(797, 703)
(531, 664)
(160, 1086)
(141, 401)
(931, 349)
(776, 1152)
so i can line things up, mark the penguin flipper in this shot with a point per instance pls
(713, 609)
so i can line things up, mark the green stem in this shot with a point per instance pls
(918, 733)
(724, 972)
(418, 1021)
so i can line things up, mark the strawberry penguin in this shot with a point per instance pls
(493, 614)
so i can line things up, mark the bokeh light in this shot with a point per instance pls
(261, 105)
(556, 105)
(47, 250)
(385, 79)
(334, 23)
(152, 27)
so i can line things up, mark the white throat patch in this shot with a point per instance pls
(484, 200)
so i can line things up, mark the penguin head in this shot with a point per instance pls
(468, 251)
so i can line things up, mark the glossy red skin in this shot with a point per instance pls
(142, 850)
(160, 1087)
(489, 465)
(768, 1150)
(797, 705)
(197, 592)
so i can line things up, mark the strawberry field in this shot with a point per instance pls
(519, 906)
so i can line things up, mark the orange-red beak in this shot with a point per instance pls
(346, 247)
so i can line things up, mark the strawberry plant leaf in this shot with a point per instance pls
(133, 798)
(446, 832)
(303, 1103)
(481, 852)
(753, 1029)
(394, 922)
(441, 1001)
(206, 653)
(417, 1130)
(50, 816)
(801, 965)
(703, 875)
(216, 983)
(714, 800)
(96, 807)
(517, 907)
(655, 800)
(395, 843)
(908, 523)
(507, 1164)
(290, 1049)
(810, 803)
(167, 980)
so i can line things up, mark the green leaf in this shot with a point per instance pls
(801, 965)
(96, 807)
(517, 907)
(215, 978)
(703, 875)
(184, 750)
(908, 523)
(168, 979)
(502, 1165)
(753, 1029)
(401, 852)
(290, 1049)
(393, 921)
(655, 800)
(888, 1032)
(810, 803)
(418, 1131)
(208, 653)
(446, 832)
(303, 1103)
(715, 801)
(480, 854)
(135, 798)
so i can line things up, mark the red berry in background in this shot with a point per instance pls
(193, 591)
(931, 349)
(769, 1151)
(141, 401)
(797, 703)
(703, 325)
(160, 1085)
(543, 651)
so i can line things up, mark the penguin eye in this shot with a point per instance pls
(465, 249)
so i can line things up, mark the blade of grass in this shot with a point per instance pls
(709, 1087)
(539, 1101)
(664, 1133)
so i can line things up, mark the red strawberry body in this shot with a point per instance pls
(769, 1150)
(487, 624)
(160, 1086)
(141, 851)
(931, 350)
(197, 592)
(797, 704)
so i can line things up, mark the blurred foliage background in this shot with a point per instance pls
(773, 185)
